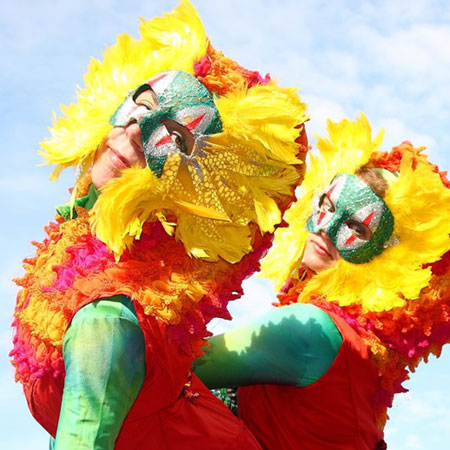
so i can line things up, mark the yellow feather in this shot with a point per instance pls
(201, 211)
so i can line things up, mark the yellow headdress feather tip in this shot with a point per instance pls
(201, 211)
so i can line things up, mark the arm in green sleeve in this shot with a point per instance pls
(292, 345)
(104, 356)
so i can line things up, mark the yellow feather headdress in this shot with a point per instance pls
(246, 170)
(418, 200)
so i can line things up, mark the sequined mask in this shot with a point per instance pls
(352, 207)
(179, 97)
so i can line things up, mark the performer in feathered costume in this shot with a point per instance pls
(191, 172)
(366, 256)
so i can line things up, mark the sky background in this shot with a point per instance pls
(389, 59)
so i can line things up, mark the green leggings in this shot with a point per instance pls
(292, 345)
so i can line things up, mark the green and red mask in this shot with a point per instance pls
(353, 207)
(179, 97)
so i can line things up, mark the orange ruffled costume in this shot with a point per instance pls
(165, 285)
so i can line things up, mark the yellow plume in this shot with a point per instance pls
(419, 202)
(240, 183)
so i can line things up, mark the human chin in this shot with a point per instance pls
(318, 254)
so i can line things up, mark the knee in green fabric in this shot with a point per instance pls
(292, 345)
(319, 338)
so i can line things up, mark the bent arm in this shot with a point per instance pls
(292, 345)
(104, 356)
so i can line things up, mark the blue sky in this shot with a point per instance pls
(389, 59)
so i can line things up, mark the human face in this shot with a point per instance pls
(355, 219)
(173, 111)
(121, 149)
(320, 253)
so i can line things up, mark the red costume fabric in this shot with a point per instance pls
(334, 413)
(172, 411)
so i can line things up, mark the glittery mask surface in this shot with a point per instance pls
(181, 98)
(353, 201)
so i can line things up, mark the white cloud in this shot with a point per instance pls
(322, 109)
(396, 131)
(413, 442)
(414, 52)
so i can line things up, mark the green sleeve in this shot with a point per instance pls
(292, 345)
(104, 357)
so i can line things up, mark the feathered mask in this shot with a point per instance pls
(244, 161)
(417, 199)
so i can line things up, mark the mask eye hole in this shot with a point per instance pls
(181, 136)
(145, 96)
(180, 142)
(359, 230)
(326, 205)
